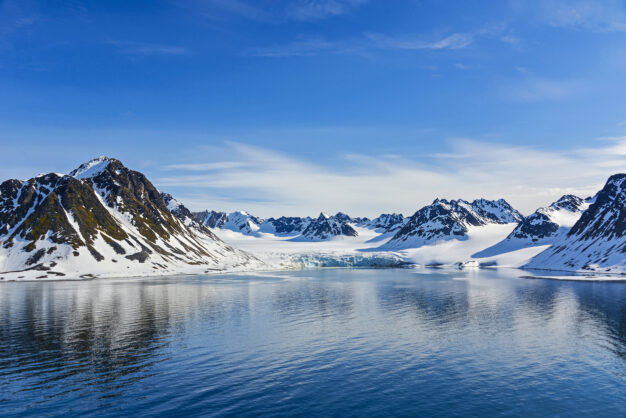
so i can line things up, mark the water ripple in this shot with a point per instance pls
(327, 343)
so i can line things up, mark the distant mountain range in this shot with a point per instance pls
(103, 219)
(444, 220)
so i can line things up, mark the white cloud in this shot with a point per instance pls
(222, 165)
(452, 41)
(269, 183)
(532, 88)
(364, 45)
(300, 47)
(320, 9)
(592, 15)
(220, 9)
(146, 49)
(270, 11)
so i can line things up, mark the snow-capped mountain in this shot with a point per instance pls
(386, 222)
(305, 228)
(342, 218)
(496, 211)
(285, 226)
(325, 227)
(597, 241)
(239, 221)
(243, 222)
(543, 227)
(102, 219)
(546, 223)
(211, 218)
(445, 220)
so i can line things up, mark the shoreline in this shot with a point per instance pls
(573, 276)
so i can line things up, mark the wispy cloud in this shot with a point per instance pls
(272, 183)
(271, 11)
(452, 41)
(222, 165)
(365, 44)
(530, 88)
(592, 15)
(320, 9)
(302, 47)
(147, 49)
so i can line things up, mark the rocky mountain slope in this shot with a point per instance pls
(597, 241)
(211, 218)
(542, 227)
(103, 219)
(325, 227)
(386, 222)
(286, 226)
(303, 228)
(445, 220)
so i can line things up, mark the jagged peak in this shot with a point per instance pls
(92, 168)
(568, 202)
(616, 178)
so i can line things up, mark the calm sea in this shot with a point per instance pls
(314, 343)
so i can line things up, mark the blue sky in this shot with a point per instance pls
(292, 107)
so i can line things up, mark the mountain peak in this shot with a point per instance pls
(92, 168)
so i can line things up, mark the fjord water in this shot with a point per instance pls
(326, 342)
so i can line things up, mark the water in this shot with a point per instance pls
(313, 343)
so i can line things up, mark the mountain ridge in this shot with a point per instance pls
(106, 218)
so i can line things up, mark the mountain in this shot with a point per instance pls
(496, 211)
(597, 241)
(342, 218)
(304, 228)
(326, 227)
(284, 225)
(445, 220)
(386, 222)
(243, 222)
(239, 221)
(543, 227)
(102, 219)
(545, 223)
(211, 219)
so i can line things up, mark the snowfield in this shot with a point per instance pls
(284, 252)
(105, 220)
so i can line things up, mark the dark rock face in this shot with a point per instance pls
(387, 221)
(211, 218)
(40, 209)
(452, 219)
(322, 228)
(606, 218)
(597, 241)
(542, 224)
(325, 227)
(535, 227)
(361, 220)
(570, 202)
(288, 225)
(186, 216)
(496, 211)
(342, 217)
(93, 203)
